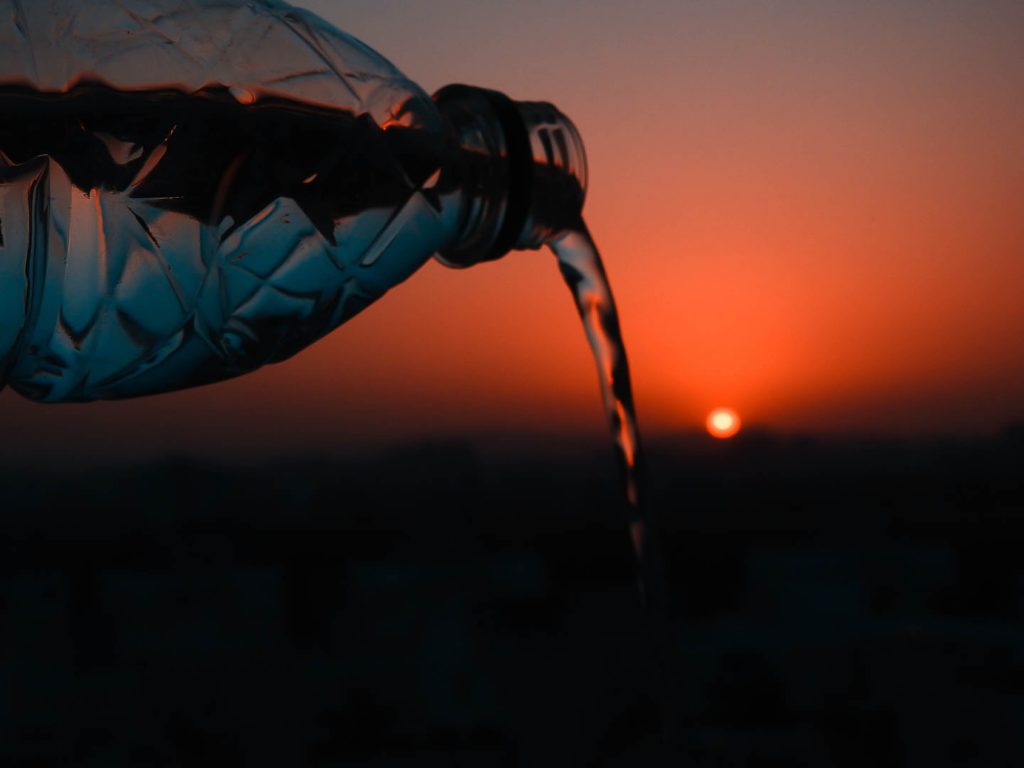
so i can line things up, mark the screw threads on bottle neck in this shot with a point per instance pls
(558, 169)
(521, 168)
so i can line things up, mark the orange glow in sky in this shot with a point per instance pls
(810, 211)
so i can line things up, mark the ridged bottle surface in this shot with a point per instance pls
(191, 190)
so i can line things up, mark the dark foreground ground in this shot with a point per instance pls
(832, 604)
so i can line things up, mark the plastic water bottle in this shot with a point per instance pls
(191, 190)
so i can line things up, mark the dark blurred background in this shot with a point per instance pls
(833, 603)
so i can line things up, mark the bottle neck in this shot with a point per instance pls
(521, 169)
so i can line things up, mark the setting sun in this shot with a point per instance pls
(723, 423)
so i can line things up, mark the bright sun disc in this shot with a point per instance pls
(723, 423)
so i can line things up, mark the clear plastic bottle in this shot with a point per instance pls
(191, 190)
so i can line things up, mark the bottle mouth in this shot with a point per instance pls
(522, 168)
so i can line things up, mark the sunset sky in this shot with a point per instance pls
(810, 212)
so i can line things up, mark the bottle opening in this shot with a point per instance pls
(523, 171)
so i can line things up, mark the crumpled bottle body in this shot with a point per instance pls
(191, 190)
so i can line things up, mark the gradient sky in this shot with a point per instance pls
(809, 211)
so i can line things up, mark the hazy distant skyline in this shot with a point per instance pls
(809, 211)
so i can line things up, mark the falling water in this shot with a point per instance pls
(584, 273)
(581, 266)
